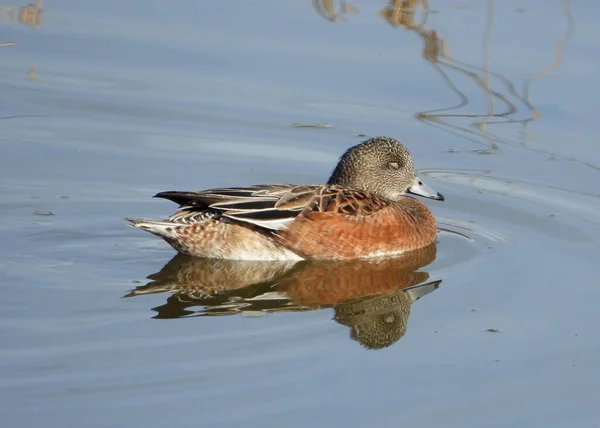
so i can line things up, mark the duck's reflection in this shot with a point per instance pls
(372, 297)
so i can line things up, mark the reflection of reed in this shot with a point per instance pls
(443, 62)
(481, 76)
(31, 74)
(557, 61)
(30, 15)
(373, 297)
(326, 9)
(402, 13)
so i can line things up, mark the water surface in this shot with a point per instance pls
(103, 104)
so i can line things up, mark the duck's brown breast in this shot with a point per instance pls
(404, 225)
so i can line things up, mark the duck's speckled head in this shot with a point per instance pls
(381, 166)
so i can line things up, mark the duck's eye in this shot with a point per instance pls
(394, 165)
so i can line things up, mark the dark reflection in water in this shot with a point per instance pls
(372, 297)
(505, 102)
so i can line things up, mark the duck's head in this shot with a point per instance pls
(381, 166)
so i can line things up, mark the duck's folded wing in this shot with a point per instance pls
(306, 200)
(257, 205)
(274, 213)
(206, 198)
(333, 199)
(274, 207)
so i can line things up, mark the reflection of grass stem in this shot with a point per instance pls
(326, 9)
(30, 15)
(436, 52)
(557, 61)
(486, 73)
(436, 120)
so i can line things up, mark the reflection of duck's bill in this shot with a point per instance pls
(418, 291)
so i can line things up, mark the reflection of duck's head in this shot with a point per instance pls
(379, 321)
(376, 322)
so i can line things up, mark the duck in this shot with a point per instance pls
(365, 210)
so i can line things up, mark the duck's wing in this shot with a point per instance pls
(206, 198)
(273, 207)
(257, 204)
(279, 212)
(333, 199)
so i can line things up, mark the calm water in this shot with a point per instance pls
(105, 103)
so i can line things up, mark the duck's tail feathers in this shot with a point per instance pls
(159, 228)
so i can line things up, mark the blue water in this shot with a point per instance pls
(130, 98)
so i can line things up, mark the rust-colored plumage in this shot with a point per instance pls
(371, 228)
(362, 212)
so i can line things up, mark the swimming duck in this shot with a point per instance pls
(363, 211)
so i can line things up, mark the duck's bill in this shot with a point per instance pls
(421, 189)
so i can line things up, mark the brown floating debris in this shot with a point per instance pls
(493, 330)
(8, 43)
